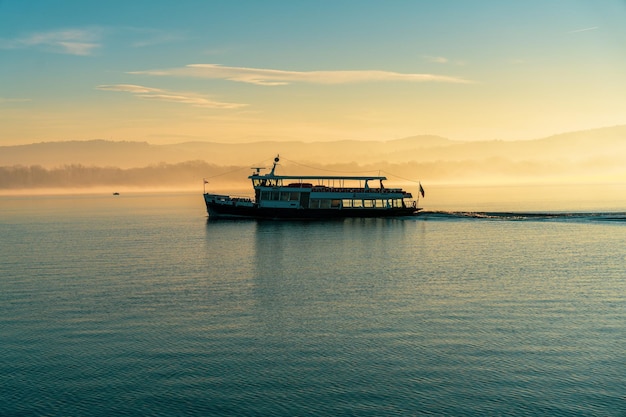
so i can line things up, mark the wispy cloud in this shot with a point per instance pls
(583, 30)
(443, 60)
(4, 100)
(67, 41)
(129, 88)
(84, 41)
(273, 77)
(149, 93)
(436, 59)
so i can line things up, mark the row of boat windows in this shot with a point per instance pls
(331, 203)
(325, 203)
(282, 196)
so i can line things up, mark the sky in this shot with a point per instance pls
(244, 71)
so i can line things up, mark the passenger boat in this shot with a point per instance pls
(313, 197)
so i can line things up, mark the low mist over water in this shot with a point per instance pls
(586, 159)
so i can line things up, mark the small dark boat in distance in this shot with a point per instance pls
(313, 197)
(116, 193)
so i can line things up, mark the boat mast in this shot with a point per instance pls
(274, 166)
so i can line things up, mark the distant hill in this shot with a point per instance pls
(91, 152)
(592, 155)
(134, 154)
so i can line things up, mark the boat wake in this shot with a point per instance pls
(529, 216)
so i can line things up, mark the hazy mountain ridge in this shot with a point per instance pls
(133, 154)
(593, 155)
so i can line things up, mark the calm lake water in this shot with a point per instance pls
(137, 305)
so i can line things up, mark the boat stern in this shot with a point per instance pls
(219, 205)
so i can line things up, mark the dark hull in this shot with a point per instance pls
(230, 211)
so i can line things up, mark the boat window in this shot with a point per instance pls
(347, 203)
(335, 203)
(270, 195)
(294, 196)
(322, 203)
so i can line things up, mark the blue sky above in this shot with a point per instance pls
(166, 71)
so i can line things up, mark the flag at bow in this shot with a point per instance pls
(421, 190)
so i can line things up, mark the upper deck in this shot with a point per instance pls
(319, 177)
(289, 187)
(328, 180)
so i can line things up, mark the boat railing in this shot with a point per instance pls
(242, 199)
(235, 198)
(323, 188)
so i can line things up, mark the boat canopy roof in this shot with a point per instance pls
(271, 175)
(317, 177)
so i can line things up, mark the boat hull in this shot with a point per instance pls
(217, 210)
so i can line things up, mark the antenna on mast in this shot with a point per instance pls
(276, 160)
